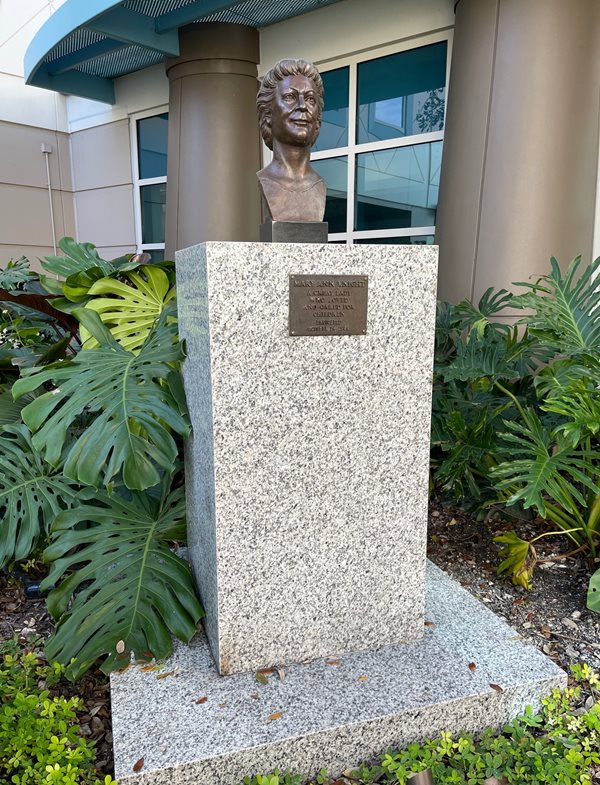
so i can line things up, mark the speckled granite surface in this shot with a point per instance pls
(307, 473)
(194, 727)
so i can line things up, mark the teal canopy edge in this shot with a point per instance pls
(120, 26)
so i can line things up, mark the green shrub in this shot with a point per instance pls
(558, 746)
(516, 413)
(90, 444)
(39, 742)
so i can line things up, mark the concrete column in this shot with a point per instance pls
(518, 181)
(214, 144)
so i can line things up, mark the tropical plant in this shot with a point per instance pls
(121, 589)
(89, 453)
(134, 414)
(517, 410)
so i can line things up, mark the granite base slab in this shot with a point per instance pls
(190, 725)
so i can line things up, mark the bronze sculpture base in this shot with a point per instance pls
(294, 232)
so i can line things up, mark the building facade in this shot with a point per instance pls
(473, 124)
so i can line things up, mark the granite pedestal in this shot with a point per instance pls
(307, 500)
(307, 473)
(194, 727)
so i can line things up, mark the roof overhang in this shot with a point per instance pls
(84, 46)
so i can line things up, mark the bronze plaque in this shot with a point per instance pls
(328, 304)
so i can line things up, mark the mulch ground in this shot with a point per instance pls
(552, 617)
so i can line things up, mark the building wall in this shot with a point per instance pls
(30, 117)
(102, 179)
(340, 29)
(90, 163)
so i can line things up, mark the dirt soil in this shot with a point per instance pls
(552, 617)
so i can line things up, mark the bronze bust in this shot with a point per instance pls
(289, 105)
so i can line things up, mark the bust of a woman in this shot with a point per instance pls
(290, 104)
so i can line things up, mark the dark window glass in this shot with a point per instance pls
(419, 239)
(156, 255)
(153, 199)
(152, 146)
(402, 94)
(335, 173)
(398, 188)
(334, 128)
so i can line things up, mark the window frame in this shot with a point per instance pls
(353, 149)
(139, 182)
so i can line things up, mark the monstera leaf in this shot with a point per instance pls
(135, 413)
(131, 309)
(499, 355)
(122, 589)
(77, 258)
(16, 274)
(31, 494)
(567, 312)
(10, 410)
(542, 466)
(467, 315)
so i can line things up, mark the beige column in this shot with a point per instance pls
(519, 168)
(214, 146)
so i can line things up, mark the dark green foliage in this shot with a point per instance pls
(89, 453)
(128, 586)
(130, 434)
(32, 493)
(516, 410)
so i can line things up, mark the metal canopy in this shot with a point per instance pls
(84, 46)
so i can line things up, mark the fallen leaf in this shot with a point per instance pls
(148, 668)
(530, 616)
(497, 687)
(276, 716)
(333, 661)
(139, 765)
(120, 647)
(452, 522)
(363, 678)
(202, 700)
(429, 624)
(516, 638)
(518, 600)
(164, 675)
(147, 654)
(472, 667)
(281, 674)
(261, 678)
(545, 630)
(266, 671)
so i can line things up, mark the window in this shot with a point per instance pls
(380, 146)
(149, 146)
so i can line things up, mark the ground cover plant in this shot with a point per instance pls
(560, 744)
(40, 742)
(516, 412)
(92, 413)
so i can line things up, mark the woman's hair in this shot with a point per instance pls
(269, 84)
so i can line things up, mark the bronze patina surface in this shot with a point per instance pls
(328, 304)
(289, 105)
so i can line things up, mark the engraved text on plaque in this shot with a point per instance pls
(328, 304)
